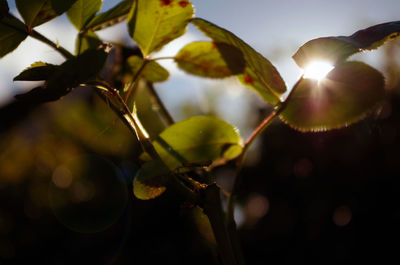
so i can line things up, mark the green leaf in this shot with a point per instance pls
(152, 71)
(82, 11)
(12, 33)
(86, 41)
(150, 180)
(67, 76)
(154, 23)
(201, 138)
(347, 94)
(208, 59)
(338, 49)
(37, 71)
(264, 73)
(35, 12)
(250, 79)
(61, 6)
(110, 17)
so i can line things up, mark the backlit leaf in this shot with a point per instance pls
(347, 94)
(110, 17)
(82, 11)
(337, 49)
(150, 180)
(154, 23)
(67, 76)
(12, 33)
(152, 72)
(200, 138)
(208, 59)
(264, 73)
(35, 12)
(37, 71)
(88, 40)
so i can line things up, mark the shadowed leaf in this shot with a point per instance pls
(35, 12)
(264, 73)
(201, 138)
(154, 23)
(208, 59)
(150, 180)
(3, 8)
(61, 6)
(346, 95)
(68, 76)
(12, 33)
(110, 17)
(338, 49)
(86, 41)
(82, 11)
(152, 71)
(37, 72)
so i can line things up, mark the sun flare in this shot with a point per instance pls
(317, 70)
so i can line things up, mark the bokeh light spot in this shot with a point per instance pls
(342, 216)
(62, 177)
(257, 206)
(88, 194)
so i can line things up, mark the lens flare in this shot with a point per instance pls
(317, 70)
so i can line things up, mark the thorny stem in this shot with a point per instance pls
(240, 160)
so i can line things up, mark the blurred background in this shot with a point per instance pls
(66, 167)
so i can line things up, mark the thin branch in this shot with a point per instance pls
(257, 131)
(36, 35)
(133, 83)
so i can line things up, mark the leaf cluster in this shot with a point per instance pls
(347, 94)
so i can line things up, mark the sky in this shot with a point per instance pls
(274, 28)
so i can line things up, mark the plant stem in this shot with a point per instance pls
(132, 119)
(257, 131)
(213, 209)
(240, 160)
(36, 35)
(133, 83)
